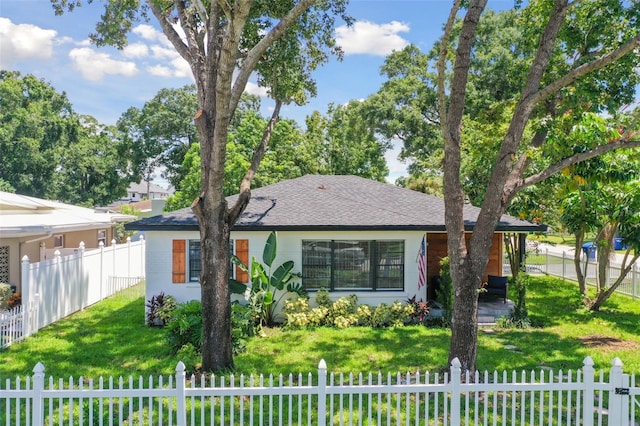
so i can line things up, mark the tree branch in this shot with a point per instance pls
(254, 55)
(245, 186)
(586, 68)
(170, 32)
(612, 146)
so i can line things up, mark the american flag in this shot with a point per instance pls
(422, 263)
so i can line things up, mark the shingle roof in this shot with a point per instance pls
(320, 202)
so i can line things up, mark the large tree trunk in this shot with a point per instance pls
(214, 285)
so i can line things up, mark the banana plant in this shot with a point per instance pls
(270, 284)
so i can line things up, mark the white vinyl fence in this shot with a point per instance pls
(55, 288)
(584, 397)
(560, 264)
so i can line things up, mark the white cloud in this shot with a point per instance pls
(94, 66)
(136, 50)
(160, 52)
(147, 32)
(366, 37)
(181, 67)
(254, 89)
(160, 71)
(178, 68)
(24, 41)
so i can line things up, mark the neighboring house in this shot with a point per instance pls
(146, 191)
(36, 228)
(344, 233)
(146, 208)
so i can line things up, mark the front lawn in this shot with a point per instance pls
(110, 339)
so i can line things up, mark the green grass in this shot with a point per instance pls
(110, 339)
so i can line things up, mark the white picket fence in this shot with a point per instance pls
(584, 397)
(55, 288)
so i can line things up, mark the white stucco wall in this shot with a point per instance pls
(159, 260)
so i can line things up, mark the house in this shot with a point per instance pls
(146, 191)
(344, 233)
(146, 208)
(36, 228)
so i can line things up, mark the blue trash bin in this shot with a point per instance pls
(618, 244)
(589, 250)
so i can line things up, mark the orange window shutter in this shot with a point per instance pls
(242, 252)
(179, 261)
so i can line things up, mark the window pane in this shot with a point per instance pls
(351, 265)
(194, 260)
(316, 264)
(390, 265)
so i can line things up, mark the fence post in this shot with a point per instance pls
(37, 415)
(616, 402)
(128, 257)
(143, 255)
(181, 401)
(634, 281)
(455, 392)
(113, 266)
(546, 260)
(102, 280)
(322, 393)
(588, 393)
(33, 308)
(26, 295)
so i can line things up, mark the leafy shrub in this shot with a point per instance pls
(5, 295)
(444, 295)
(159, 309)
(296, 313)
(267, 281)
(322, 298)
(190, 357)
(242, 327)
(420, 311)
(400, 314)
(380, 315)
(318, 316)
(519, 316)
(185, 326)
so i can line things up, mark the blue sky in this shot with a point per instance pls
(104, 82)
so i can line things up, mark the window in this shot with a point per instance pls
(195, 265)
(102, 237)
(58, 241)
(187, 263)
(353, 265)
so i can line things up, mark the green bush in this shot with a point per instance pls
(185, 326)
(190, 357)
(345, 312)
(159, 309)
(444, 295)
(5, 295)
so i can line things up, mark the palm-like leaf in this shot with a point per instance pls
(282, 275)
(270, 249)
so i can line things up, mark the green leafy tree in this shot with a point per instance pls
(51, 152)
(91, 170)
(573, 52)
(600, 197)
(34, 121)
(225, 43)
(159, 134)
